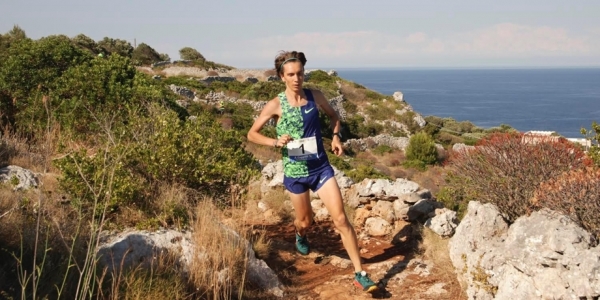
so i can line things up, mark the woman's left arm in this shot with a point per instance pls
(336, 126)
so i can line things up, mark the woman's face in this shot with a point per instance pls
(293, 75)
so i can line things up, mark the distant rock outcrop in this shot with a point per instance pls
(541, 256)
(398, 96)
(383, 139)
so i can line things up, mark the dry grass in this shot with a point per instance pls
(435, 249)
(263, 153)
(162, 281)
(219, 270)
(261, 244)
(276, 199)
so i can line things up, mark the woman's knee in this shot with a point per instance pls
(341, 222)
(304, 221)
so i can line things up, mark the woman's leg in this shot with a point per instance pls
(332, 198)
(303, 212)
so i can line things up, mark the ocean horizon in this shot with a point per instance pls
(549, 99)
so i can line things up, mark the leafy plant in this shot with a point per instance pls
(421, 147)
(189, 53)
(593, 135)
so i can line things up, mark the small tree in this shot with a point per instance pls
(145, 55)
(84, 42)
(189, 53)
(593, 135)
(421, 147)
(164, 57)
(116, 46)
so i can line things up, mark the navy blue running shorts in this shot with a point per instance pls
(313, 182)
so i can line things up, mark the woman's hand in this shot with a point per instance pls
(336, 146)
(283, 140)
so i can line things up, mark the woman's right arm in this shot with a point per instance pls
(269, 111)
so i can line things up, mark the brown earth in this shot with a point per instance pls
(399, 264)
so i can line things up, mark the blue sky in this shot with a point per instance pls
(336, 34)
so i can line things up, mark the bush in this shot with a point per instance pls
(575, 194)
(145, 55)
(421, 147)
(116, 47)
(188, 53)
(505, 171)
(365, 171)
(383, 149)
(197, 154)
(593, 135)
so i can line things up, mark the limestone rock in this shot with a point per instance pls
(19, 178)
(385, 210)
(251, 80)
(421, 209)
(339, 262)
(398, 96)
(420, 120)
(377, 226)
(460, 147)
(141, 248)
(320, 211)
(541, 256)
(400, 209)
(443, 223)
(211, 79)
(371, 142)
(182, 91)
(360, 216)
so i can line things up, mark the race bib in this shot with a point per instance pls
(303, 149)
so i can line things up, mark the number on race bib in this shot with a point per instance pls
(303, 149)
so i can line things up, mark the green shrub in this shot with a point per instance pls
(453, 198)
(112, 46)
(100, 181)
(383, 149)
(365, 171)
(350, 107)
(378, 111)
(158, 148)
(421, 147)
(242, 115)
(408, 119)
(263, 90)
(415, 164)
(145, 55)
(339, 162)
(189, 53)
(198, 153)
(506, 171)
(593, 135)
(356, 127)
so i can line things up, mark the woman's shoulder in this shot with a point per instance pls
(317, 94)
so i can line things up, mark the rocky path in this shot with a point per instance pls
(398, 264)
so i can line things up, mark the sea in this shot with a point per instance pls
(561, 100)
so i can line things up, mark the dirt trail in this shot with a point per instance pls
(326, 273)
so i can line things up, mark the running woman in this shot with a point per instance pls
(305, 162)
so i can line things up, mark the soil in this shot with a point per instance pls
(394, 263)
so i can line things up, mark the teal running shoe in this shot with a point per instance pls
(302, 244)
(362, 280)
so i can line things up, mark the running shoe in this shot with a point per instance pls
(362, 280)
(302, 244)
